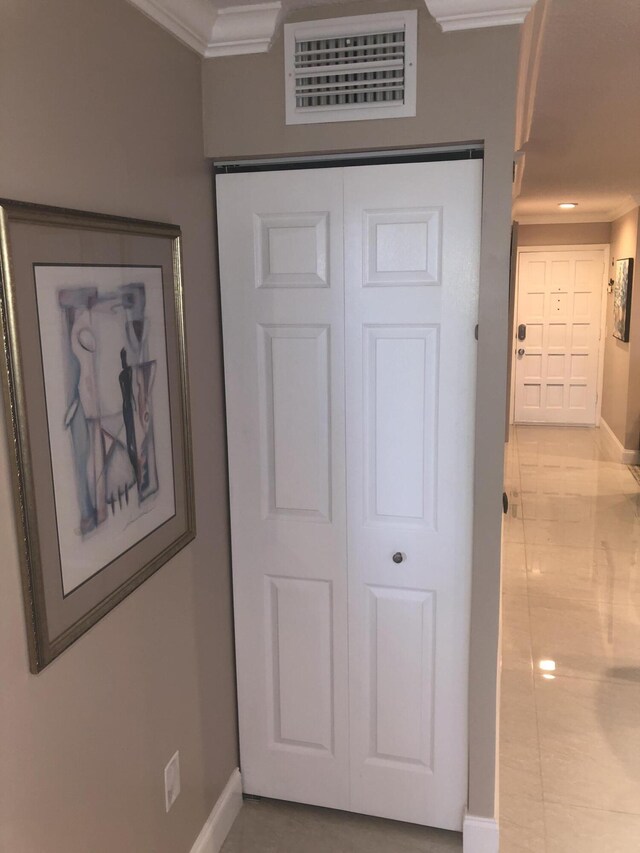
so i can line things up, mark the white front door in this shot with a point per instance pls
(349, 306)
(557, 334)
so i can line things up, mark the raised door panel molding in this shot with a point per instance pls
(401, 400)
(291, 250)
(472, 14)
(299, 619)
(296, 415)
(402, 678)
(402, 247)
(212, 31)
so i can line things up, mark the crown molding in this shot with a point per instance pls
(532, 39)
(190, 21)
(627, 206)
(454, 15)
(215, 32)
(558, 219)
(571, 218)
(250, 28)
(244, 29)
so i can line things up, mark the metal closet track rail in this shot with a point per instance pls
(469, 151)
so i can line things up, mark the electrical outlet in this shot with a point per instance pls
(172, 781)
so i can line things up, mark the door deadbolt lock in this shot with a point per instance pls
(398, 557)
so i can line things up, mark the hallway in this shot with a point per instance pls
(570, 704)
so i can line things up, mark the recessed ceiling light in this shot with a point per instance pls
(547, 665)
(567, 205)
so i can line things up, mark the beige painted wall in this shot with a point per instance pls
(101, 110)
(466, 92)
(569, 234)
(621, 386)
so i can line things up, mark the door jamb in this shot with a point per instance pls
(605, 248)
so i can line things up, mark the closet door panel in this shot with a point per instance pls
(412, 239)
(281, 266)
(349, 305)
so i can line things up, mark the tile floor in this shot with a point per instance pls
(570, 736)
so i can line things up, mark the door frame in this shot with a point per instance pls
(469, 215)
(586, 247)
(480, 823)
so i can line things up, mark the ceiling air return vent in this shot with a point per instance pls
(347, 69)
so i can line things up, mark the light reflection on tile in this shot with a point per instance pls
(592, 574)
(570, 731)
(590, 639)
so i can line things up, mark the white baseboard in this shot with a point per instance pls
(222, 816)
(480, 835)
(614, 446)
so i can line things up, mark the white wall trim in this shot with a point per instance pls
(614, 446)
(244, 29)
(454, 15)
(532, 39)
(222, 816)
(572, 218)
(215, 32)
(626, 207)
(188, 24)
(560, 219)
(480, 834)
(531, 45)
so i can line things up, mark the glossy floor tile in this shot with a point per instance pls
(522, 825)
(590, 830)
(269, 826)
(589, 737)
(570, 688)
(520, 768)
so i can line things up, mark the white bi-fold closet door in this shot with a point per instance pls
(349, 301)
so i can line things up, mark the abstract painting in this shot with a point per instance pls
(622, 298)
(97, 410)
(102, 337)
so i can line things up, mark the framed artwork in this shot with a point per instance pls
(96, 398)
(622, 298)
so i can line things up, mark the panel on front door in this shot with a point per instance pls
(283, 311)
(559, 303)
(412, 237)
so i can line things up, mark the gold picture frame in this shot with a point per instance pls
(622, 290)
(97, 408)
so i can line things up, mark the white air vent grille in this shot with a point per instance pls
(351, 68)
(357, 70)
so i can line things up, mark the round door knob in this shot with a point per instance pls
(398, 557)
(521, 352)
